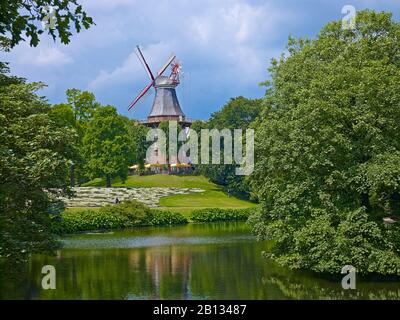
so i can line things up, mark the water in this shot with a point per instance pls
(197, 261)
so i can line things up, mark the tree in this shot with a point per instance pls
(327, 149)
(83, 104)
(138, 142)
(77, 112)
(34, 157)
(23, 16)
(238, 113)
(106, 145)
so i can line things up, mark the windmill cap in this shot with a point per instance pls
(164, 81)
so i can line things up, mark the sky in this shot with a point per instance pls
(225, 47)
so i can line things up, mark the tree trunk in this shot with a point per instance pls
(365, 201)
(108, 182)
(395, 202)
(72, 175)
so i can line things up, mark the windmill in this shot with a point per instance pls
(166, 105)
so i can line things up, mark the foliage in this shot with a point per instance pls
(327, 145)
(238, 113)
(89, 220)
(106, 145)
(128, 214)
(34, 156)
(20, 16)
(217, 214)
(77, 113)
(138, 143)
(83, 104)
(165, 217)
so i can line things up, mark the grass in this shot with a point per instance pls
(157, 181)
(213, 197)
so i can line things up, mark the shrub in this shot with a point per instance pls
(136, 212)
(217, 214)
(72, 222)
(125, 215)
(161, 218)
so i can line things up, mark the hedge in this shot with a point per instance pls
(217, 214)
(126, 215)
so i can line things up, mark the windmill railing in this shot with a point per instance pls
(158, 120)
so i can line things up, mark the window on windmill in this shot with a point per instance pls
(156, 153)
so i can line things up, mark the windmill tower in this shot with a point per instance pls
(166, 106)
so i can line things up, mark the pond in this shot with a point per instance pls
(196, 261)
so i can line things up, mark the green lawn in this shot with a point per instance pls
(213, 197)
(158, 180)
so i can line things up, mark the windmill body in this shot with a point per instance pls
(165, 106)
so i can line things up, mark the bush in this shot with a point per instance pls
(72, 222)
(136, 212)
(216, 214)
(162, 218)
(125, 215)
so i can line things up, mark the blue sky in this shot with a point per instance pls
(225, 47)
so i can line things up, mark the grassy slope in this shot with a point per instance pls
(213, 197)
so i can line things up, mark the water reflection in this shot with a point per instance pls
(209, 261)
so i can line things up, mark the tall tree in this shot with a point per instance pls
(238, 113)
(77, 112)
(327, 149)
(19, 17)
(138, 142)
(106, 145)
(83, 104)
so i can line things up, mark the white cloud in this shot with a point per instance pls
(41, 57)
(51, 57)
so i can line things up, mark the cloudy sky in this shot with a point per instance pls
(225, 47)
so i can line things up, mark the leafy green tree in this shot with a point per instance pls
(63, 115)
(77, 112)
(106, 145)
(83, 104)
(34, 158)
(138, 143)
(19, 17)
(238, 113)
(327, 149)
